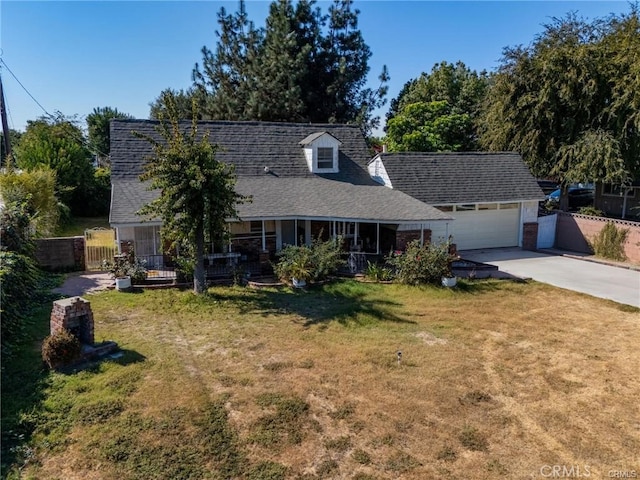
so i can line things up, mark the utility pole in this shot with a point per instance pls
(5, 125)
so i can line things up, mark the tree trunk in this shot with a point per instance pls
(198, 272)
(564, 198)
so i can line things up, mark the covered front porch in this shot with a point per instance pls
(252, 245)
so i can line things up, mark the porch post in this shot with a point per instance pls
(278, 235)
(421, 234)
(118, 240)
(155, 238)
(377, 238)
(356, 234)
(307, 232)
(264, 238)
(295, 228)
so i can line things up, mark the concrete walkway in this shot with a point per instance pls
(621, 285)
(78, 284)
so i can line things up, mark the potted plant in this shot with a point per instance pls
(449, 280)
(124, 269)
(300, 272)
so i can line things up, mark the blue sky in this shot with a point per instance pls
(74, 56)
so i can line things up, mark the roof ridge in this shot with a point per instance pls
(240, 122)
(443, 154)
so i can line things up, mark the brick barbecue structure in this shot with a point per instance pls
(73, 314)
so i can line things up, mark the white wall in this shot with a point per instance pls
(378, 172)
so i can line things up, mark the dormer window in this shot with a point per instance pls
(321, 152)
(325, 157)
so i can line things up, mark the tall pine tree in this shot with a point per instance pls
(302, 67)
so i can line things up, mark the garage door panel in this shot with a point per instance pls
(486, 228)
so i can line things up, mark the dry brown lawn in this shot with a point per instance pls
(497, 380)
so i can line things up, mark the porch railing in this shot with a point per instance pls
(356, 262)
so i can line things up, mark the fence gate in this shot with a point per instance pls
(99, 245)
(547, 231)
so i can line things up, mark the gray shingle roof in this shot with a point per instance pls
(314, 136)
(287, 190)
(448, 178)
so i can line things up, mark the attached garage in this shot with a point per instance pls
(486, 226)
(489, 195)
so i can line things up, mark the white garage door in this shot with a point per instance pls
(486, 228)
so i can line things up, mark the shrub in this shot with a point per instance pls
(377, 272)
(609, 242)
(16, 231)
(422, 264)
(19, 281)
(60, 349)
(310, 262)
(593, 211)
(326, 258)
(127, 265)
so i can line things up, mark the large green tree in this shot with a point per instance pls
(59, 143)
(98, 125)
(197, 191)
(430, 127)
(570, 101)
(438, 110)
(303, 66)
(462, 88)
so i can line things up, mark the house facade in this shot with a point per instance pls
(492, 196)
(305, 181)
(618, 201)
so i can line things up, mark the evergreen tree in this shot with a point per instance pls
(222, 80)
(302, 67)
(275, 82)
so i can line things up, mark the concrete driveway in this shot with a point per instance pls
(604, 281)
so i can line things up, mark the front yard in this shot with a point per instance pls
(497, 380)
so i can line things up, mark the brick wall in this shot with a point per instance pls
(405, 237)
(573, 230)
(61, 254)
(530, 236)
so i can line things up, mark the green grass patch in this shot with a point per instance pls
(284, 424)
(77, 225)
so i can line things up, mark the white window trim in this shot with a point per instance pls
(333, 169)
(631, 194)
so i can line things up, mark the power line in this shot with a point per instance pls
(81, 139)
(25, 88)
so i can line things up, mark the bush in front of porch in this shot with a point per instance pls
(420, 264)
(315, 262)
